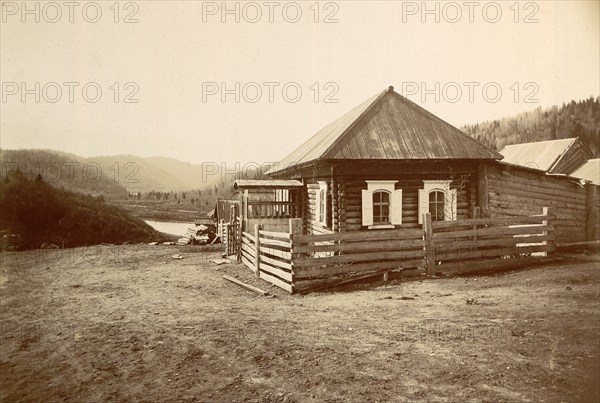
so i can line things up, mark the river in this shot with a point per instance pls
(173, 228)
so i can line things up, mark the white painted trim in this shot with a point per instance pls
(322, 187)
(450, 196)
(443, 185)
(382, 226)
(373, 186)
(377, 186)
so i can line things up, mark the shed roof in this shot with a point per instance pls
(541, 155)
(589, 171)
(387, 126)
(265, 183)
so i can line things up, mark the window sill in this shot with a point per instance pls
(315, 222)
(382, 226)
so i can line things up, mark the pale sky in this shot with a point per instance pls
(177, 49)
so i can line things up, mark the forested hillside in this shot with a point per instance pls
(41, 213)
(62, 170)
(575, 119)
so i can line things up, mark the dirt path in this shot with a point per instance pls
(130, 323)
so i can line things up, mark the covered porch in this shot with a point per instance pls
(269, 203)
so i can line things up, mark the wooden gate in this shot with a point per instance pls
(232, 244)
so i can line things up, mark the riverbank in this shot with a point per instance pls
(169, 227)
(155, 211)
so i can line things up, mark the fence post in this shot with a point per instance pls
(591, 213)
(257, 246)
(429, 245)
(295, 226)
(295, 229)
(227, 240)
(239, 241)
(548, 212)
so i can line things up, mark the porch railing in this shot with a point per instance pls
(273, 209)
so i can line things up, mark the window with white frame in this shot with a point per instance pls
(321, 211)
(438, 199)
(381, 205)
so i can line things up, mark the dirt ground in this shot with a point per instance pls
(130, 323)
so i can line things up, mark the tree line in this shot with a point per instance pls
(575, 119)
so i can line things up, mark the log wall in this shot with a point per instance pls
(495, 189)
(410, 202)
(514, 191)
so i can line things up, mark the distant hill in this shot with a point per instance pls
(161, 174)
(143, 174)
(107, 175)
(41, 213)
(62, 170)
(575, 119)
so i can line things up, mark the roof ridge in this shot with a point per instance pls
(541, 141)
(355, 121)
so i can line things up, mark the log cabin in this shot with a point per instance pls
(389, 187)
(382, 165)
(387, 161)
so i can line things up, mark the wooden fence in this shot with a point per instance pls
(456, 243)
(302, 263)
(232, 238)
(323, 259)
(269, 255)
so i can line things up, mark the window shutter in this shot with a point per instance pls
(317, 205)
(453, 202)
(327, 218)
(367, 208)
(396, 207)
(323, 202)
(423, 204)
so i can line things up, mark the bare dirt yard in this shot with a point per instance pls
(130, 323)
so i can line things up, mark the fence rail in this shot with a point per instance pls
(299, 263)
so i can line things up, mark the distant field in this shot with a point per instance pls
(130, 323)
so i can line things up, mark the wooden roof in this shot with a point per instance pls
(387, 126)
(266, 184)
(589, 171)
(553, 156)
